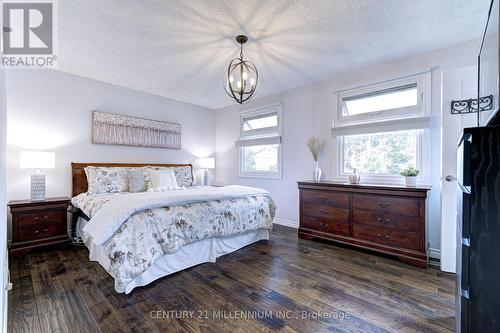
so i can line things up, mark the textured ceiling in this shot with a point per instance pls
(179, 49)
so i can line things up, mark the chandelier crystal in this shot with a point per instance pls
(241, 77)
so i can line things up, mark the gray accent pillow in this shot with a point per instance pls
(136, 180)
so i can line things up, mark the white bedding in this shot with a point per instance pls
(140, 237)
(110, 217)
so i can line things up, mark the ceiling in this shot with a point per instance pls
(180, 48)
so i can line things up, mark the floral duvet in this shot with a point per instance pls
(135, 229)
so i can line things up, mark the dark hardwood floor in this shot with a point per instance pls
(277, 283)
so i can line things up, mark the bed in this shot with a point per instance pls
(142, 236)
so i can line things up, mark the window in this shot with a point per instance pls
(380, 153)
(403, 98)
(381, 129)
(398, 97)
(260, 143)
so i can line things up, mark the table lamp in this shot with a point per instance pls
(205, 164)
(37, 160)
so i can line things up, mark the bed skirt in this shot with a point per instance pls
(206, 250)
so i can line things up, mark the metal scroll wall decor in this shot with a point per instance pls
(116, 129)
(471, 105)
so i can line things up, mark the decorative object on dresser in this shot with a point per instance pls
(410, 173)
(38, 223)
(205, 164)
(355, 178)
(315, 147)
(478, 231)
(382, 218)
(36, 160)
(116, 129)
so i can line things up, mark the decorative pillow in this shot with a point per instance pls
(106, 180)
(136, 180)
(184, 176)
(161, 180)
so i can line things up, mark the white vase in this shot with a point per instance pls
(411, 181)
(316, 172)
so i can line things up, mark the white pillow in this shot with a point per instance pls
(161, 180)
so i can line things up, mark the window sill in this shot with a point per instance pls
(259, 175)
(398, 181)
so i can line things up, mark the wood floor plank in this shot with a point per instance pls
(52, 317)
(61, 290)
(23, 312)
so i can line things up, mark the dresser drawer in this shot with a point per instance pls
(324, 198)
(335, 214)
(387, 236)
(410, 223)
(41, 230)
(36, 218)
(324, 225)
(396, 205)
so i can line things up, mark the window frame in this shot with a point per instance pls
(422, 82)
(261, 133)
(385, 121)
(423, 162)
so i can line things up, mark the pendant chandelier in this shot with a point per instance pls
(242, 76)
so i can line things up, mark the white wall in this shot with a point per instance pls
(307, 112)
(51, 110)
(3, 212)
(458, 83)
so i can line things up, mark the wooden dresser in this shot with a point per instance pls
(386, 219)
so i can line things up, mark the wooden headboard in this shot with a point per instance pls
(79, 177)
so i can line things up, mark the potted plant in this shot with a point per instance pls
(410, 174)
(315, 147)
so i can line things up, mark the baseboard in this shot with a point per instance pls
(434, 257)
(286, 223)
(435, 253)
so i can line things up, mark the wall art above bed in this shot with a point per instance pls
(116, 129)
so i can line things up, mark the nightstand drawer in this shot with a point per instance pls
(36, 218)
(41, 230)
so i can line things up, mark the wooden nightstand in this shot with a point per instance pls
(38, 223)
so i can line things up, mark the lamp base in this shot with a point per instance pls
(37, 187)
(206, 178)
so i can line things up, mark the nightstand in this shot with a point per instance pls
(37, 224)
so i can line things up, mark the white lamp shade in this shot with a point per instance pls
(206, 163)
(38, 160)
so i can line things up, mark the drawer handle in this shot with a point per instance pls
(323, 225)
(36, 231)
(380, 219)
(323, 211)
(45, 230)
(383, 204)
(322, 197)
(46, 217)
(383, 236)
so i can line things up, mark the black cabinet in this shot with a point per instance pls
(478, 231)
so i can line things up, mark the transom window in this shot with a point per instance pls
(260, 122)
(260, 143)
(380, 129)
(387, 99)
